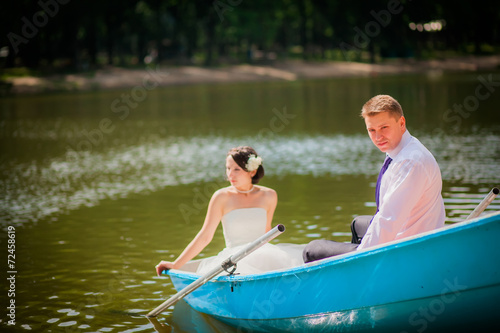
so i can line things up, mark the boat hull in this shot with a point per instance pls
(432, 314)
(445, 278)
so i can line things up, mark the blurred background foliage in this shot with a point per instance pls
(78, 35)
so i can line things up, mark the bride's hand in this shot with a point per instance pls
(163, 265)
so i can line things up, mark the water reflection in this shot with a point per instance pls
(34, 191)
(185, 319)
(189, 320)
(117, 204)
(459, 202)
(160, 327)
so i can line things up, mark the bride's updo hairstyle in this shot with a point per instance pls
(241, 155)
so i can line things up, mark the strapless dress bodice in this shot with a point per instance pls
(243, 225)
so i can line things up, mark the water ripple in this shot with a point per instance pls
(33, 191)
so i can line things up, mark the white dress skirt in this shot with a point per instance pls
(242, 226)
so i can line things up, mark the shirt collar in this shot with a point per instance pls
(405, 139)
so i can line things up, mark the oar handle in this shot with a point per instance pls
(485, 203)
(228, 263)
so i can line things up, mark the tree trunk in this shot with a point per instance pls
(209, 47)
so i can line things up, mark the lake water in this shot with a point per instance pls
(100, 186)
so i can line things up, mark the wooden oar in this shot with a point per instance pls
(224, 266)
(159, 327)
(485, 203)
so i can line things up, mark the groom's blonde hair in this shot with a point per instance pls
(382, 103)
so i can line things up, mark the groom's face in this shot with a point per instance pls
(385, 130)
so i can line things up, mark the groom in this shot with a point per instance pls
(408, 190)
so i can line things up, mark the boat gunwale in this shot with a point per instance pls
(344, 258)
(323, 314)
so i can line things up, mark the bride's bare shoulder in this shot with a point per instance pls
(267, 190)
(223, 192)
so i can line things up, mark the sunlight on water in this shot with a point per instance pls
(34, 191)
(472, 159)
(148, 182)
(459, 205)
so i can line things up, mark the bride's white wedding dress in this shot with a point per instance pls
(242, 226)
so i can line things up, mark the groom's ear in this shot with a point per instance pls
(403, 123)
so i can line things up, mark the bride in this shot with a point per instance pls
(246, 211)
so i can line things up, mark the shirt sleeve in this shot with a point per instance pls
(406, 185)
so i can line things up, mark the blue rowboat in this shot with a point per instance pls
(444, 279)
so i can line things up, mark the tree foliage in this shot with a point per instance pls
(80, 34)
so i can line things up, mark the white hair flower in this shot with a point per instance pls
(253, 163)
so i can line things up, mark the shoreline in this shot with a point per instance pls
(122, 78)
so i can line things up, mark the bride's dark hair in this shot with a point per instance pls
(240, 155)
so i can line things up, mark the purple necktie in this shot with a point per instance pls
(387, 161)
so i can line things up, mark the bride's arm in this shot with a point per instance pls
(202, 239)
(271, 198)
